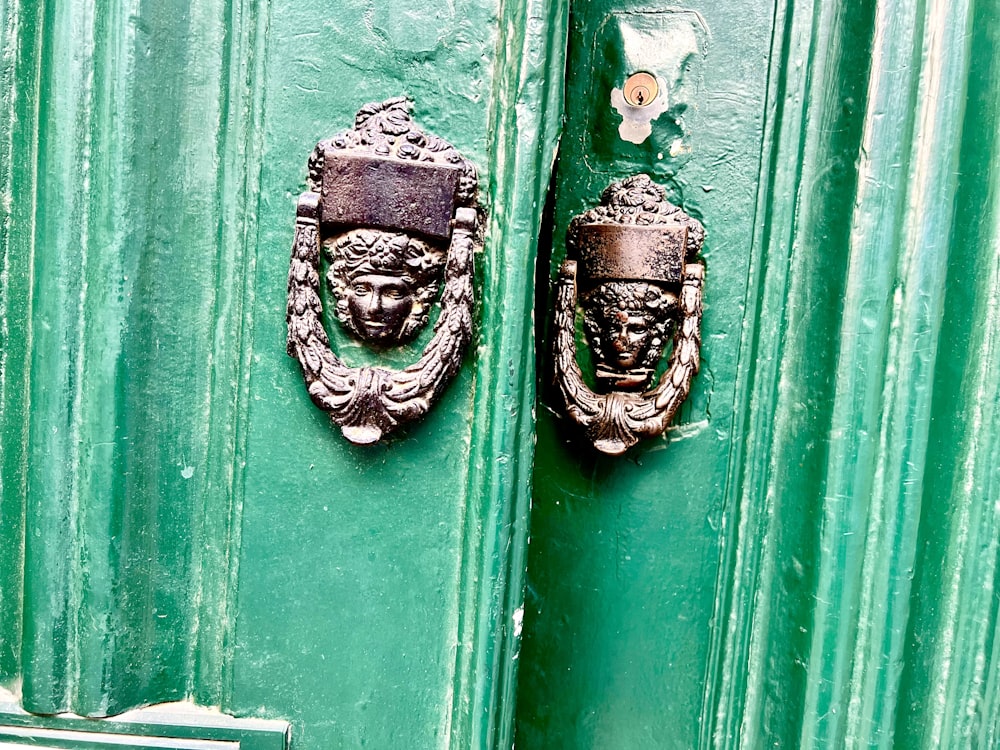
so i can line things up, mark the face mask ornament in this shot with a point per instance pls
(392, 211)
(641, 282)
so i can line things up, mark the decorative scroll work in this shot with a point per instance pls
(634, 297)
(368, 402)
(381, 234)
(615, 421)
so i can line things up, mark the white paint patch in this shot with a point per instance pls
(518, 621)
(637, 122)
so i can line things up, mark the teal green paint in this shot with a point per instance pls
(952, 627)
(133, 360)
(804, 230)
(19, 35)
(841, 579)
(529, 65)
(895, 285)
(194, 528)
(852, 603)
(624, 554)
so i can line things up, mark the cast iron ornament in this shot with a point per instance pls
(390, 208)
(637, 256)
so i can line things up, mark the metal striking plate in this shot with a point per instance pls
(636, 253)
(387, 193)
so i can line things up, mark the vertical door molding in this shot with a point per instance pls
(146, 176)
(19, 70)
(859, 543)
(530, 61)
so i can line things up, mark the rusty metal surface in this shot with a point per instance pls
(388, 193)
(639, 253)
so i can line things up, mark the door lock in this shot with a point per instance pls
(640, 89)
(392, 211)
(636, 255)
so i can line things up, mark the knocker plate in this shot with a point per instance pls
(391, 209)
(636, 262)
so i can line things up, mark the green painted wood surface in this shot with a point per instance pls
(624, 554)
(809, 559)
(178, 726)
(412, 550)
(178, 521)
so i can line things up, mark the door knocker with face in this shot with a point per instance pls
(641, 283)
(391, 209)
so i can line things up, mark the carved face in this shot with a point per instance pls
(629, 335)
(384, 283)
(626, 323)
(379, 305)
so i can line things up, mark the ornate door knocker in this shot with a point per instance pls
(640, 278)
(390, 209)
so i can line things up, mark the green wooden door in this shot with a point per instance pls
(807, 559)
(178, 522)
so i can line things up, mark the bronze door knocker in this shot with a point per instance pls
(641, 281)
(392, 210)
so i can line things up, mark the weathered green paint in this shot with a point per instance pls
(808, 559)
(173, 726)
(811, 561)
(949, 691)
(185, 524)
(411, 553)
(17, 174)
(624, 555)
(135, 347)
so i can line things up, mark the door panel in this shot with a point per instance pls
(188, 525)
(624, 557)
(808, 559)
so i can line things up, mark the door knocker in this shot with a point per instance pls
(640, 281)
(391, 209)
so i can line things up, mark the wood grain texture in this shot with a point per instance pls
(855, 592)
(134, 320)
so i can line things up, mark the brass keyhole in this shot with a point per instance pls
(640, 89)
